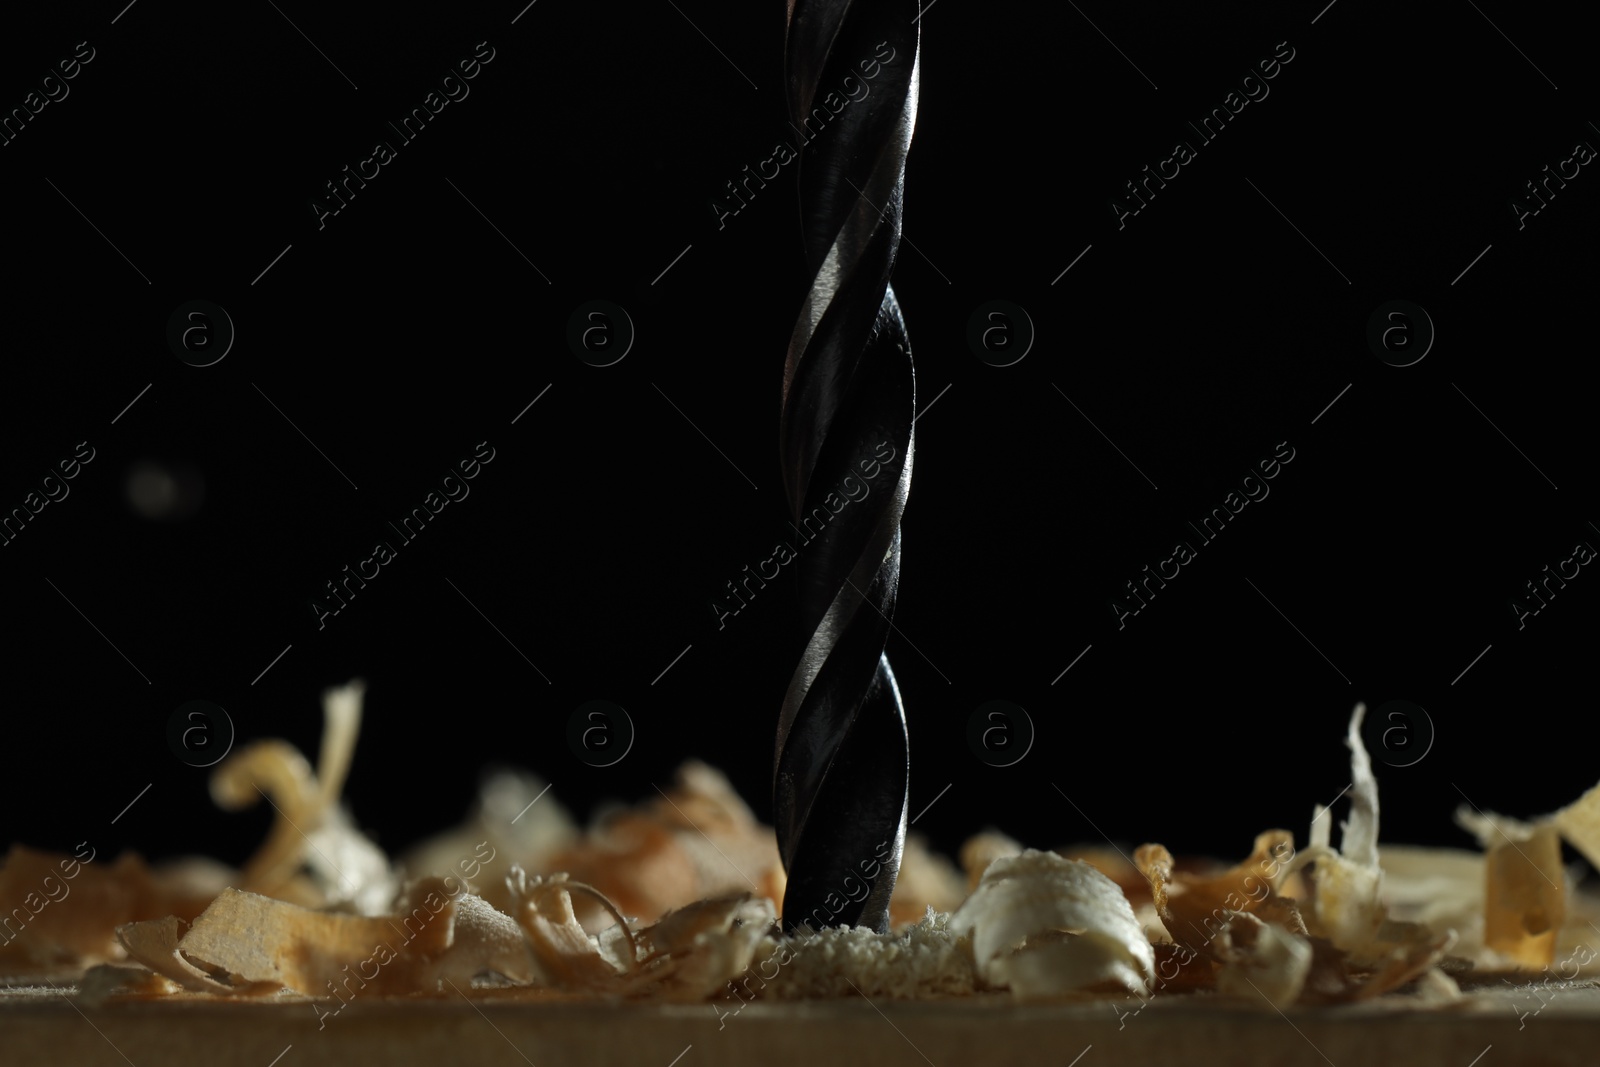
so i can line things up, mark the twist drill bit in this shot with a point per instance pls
(840, 772)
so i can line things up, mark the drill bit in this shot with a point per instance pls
(842, 758)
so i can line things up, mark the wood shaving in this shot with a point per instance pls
(567, 956)
(1261, 958)
(695, 951)
(696, 840)
(517, 821)
(313, 853)
(1526, 900)
(675, 899)
(1579, 824)
(1531, 913)
(106, 980)
(1346, 900)
(61, 912)
(154, 943)
(1041, 924)
(260, 943)
(1340, 944)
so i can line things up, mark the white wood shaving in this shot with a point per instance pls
(1022, 899)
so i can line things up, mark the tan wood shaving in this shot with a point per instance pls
(675, 899)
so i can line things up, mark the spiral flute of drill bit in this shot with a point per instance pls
(842, 759)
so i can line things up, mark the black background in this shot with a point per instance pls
(1212, 326)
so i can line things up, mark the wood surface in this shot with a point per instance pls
(1491, 1028)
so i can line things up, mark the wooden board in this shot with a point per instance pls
(41, 1026)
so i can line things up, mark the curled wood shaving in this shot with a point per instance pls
(154, 943)
(693, 952)
(310, 831)
(517, 820)
(434, 937)
(341, 725)
(277, 771)
(1195, 908)
(697, 840)
(1339, 944)
(1261, 959)
(1347, 918)
(1526, 898)
(1579, 823)
(565, 954)
(1346, 906)
(1409, 954)
(1041, 924)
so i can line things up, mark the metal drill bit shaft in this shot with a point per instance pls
(840, 773)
